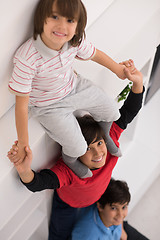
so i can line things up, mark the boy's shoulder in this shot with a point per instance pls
(26, 51)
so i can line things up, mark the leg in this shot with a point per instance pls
(102, 108)
(77, 167)
(62, 126)
(111, 146)
(62, 219)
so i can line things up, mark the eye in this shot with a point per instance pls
(100, 142)
(88, 148)
(113, 208)
(124, 207)
(70, 20)
(54, 16)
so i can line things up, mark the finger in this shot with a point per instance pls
(14, 147)
(126, 63)
(19, 162)
(127, 73)
(14, 158)
(28, 151)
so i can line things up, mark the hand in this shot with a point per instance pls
(134, 76)
(120, 73)
(23, 168)
(131, 72)
(17, 153)
(26, 163)
(124, 234)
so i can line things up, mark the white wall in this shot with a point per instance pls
(124, 29)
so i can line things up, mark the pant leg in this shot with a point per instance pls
(62, 219)
(132, 233)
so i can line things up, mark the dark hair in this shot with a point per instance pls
(91, 130)
(72, 9)
(116, 192)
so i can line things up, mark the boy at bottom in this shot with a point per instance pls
(73, 192)
(104, 219)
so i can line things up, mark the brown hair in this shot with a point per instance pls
(91, 130)
(116, 192)
(72, 9)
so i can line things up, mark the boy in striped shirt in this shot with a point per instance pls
(46, 84)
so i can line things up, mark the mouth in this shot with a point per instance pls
(118, 221)
(58, 34)
(98, 160)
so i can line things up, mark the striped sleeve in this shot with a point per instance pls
(86, 50)
(21, 79)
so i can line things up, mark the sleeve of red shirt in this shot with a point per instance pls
(63, 173)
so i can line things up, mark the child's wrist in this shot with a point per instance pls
(26, 176)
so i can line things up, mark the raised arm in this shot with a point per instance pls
(133, 103)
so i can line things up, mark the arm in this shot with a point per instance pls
(21, 116)
(133, 103)
(104, 60)
(34, 181)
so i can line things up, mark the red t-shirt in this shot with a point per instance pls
(78, 192)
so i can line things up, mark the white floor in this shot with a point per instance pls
(145, 217)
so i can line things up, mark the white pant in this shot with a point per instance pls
(60, 122)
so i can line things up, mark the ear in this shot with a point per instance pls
(100, 209)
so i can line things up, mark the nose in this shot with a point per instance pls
(96, 152)
(62, 22)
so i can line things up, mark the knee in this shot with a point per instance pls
(75, 149)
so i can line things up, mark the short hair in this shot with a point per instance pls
(91, 130)
(116, 192)
(72, 9)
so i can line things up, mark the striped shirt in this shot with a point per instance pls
(44, 74)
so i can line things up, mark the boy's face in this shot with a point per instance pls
(58, 30)
(96, 154)
(114, 214)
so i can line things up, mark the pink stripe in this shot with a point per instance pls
(36, 61)
(32, 55)
(20, 76)
(29, 49)
(24, 71)
(17, 91)
(24, 64)
(20, 82)
(49, 66)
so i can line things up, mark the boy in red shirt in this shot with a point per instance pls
(73, 192)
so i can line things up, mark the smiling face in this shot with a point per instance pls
(113, 214)
(58, 30)
(96, 154)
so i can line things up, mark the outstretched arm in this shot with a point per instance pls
(133, 103)
(34, 181)
(106, 61)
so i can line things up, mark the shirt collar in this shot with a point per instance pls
(47, 52)
(100, 224)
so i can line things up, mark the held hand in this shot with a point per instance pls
(23, 168)
(124, 234)
(17, 153)
(134, 76)
(131, 72)
(121, 74)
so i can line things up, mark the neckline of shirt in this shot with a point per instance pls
(47, 52)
